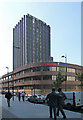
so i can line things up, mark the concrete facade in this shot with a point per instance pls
(40, 77)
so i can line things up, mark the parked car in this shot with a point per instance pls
(37, 98)
(27, 97)
(3, 92)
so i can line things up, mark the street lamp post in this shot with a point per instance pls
(8, 77)
(17, 47)
(13, 85)
(34, 88)
(65, 71)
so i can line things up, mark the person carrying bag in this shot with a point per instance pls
(8, 96)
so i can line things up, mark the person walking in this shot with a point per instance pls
(8, 95)
(23, 95)
(19, 96)
(61, 99)
(52, 102)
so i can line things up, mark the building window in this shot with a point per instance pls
(53, 68)
(27, 79)
(33, 20)
(37, 78)
(71, 70)
(47, 77)
(47, 68)
(70, 78)
(17, 74)
(53, 77)
(62, 69)
(28, 70)
(36, 69)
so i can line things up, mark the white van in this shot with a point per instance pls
(74, 99)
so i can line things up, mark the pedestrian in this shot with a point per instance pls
(8, 95)
(52, 102)
(61, 102)
(23, 95)
(19, 96)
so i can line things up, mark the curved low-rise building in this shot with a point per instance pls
(39, 77)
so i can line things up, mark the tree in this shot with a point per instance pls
(59, 79)
(80, 77)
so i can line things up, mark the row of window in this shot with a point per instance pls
(45, 77)
(44, 68)
(49, 68)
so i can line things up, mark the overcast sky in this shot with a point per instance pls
(64, 19)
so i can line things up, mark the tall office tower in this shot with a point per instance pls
(31, 42)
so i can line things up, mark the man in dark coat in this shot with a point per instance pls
(8, 96)
(52, 102)
(19, 96)
(61, 99)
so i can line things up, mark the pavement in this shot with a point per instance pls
(26, 110)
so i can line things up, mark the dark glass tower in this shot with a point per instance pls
(31, 42)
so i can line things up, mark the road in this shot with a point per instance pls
(30, 110)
